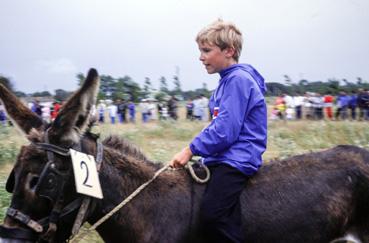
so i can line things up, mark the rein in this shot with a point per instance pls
(79, 236)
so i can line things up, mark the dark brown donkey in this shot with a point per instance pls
(316, 197)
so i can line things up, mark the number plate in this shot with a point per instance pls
(85, 174)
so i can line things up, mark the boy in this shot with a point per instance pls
(236, 138)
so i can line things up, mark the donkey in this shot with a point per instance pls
(310, 198)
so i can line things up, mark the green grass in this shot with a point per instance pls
(161, 140)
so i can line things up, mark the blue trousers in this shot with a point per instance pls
(220, 212)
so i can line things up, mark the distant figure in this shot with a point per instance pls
(318, 104)
(189, 110)
(342, 104)
(101, 110)
(204, 102)
(328, 104)
(144, 107)
(46, 114)
(280, 106)
(2, 115)
(55, 110)
(352, 104)
(172, 108)
(152, 111)
(197, 108)
(298, 100)
(121, 107)
(363, 104)
(112, 112)
(36, 108)
(132, 112)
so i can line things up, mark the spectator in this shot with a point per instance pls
(121, 110)
(36, 108)
(132, 112)
(363, 104)
(112, 112)
(55, 110)
(189, 110)
(318, 104)
(144, 106)
(101, 110)
(342, 105)
(328, 104)
(2, 115)
(45, 113)
(352, 104)
(298, 102)
(204, 103)
(290, 105)
(172, 107)
(197, 108)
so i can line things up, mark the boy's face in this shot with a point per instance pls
(214, 58)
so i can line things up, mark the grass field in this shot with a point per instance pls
(161, 140)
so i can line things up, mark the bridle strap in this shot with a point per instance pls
(53, 148)
(25, 219)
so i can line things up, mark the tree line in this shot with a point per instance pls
(126, 88)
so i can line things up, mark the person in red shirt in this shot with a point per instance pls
(55, 111)
(328, 104)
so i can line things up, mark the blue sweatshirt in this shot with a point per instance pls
(237, 135)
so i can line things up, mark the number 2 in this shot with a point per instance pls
(84, 164)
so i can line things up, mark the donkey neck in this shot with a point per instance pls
(120, 176)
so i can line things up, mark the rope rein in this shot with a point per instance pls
(79, 236)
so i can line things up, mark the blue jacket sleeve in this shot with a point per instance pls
(224, 130)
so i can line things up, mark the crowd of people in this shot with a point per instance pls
(197, 109)
(311, 105)
(315, 106)
(121, 111)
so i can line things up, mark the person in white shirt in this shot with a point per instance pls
(298, 101)
(112, 112)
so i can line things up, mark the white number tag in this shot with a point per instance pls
(85, 174)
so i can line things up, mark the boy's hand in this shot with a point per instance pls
(181, 158)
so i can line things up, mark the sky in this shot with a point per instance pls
(44, 44)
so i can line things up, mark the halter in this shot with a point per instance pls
(50, 185)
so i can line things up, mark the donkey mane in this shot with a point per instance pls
(128, 151)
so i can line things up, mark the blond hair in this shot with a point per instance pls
(222, 34)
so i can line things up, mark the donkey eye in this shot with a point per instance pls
(33, 182)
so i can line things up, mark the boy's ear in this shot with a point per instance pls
(229, 52)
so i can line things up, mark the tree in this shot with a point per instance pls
(61, 95)
(80, 78)
(132, 89)
(41, 94)
(163, 85)
(177, 85)
(20, 94)
(287, 79)
(107, 85)
(147, 89)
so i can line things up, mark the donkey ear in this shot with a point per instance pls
(19, 113)
(74, 115)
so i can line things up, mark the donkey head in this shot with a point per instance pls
(42, 180)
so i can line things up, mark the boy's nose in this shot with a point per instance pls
(201, 58)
